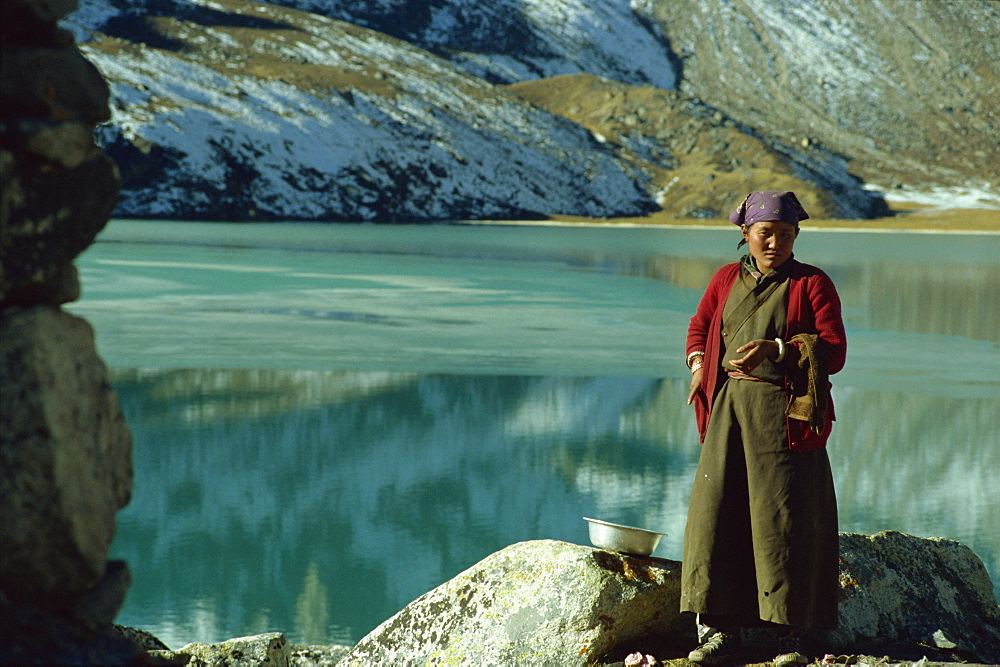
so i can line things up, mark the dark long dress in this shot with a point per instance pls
(761, 536)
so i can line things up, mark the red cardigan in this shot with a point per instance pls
(813, 307)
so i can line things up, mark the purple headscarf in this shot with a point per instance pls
(769, 205)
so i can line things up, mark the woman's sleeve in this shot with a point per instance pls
(825, 304)
(697, 336)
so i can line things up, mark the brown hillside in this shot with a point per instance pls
(700, 163)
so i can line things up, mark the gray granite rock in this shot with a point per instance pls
(257, 651)
(549, 602)
(555, 603)
(52, 81)
(265, 649)
(142, 639)
(898, 587)
(51, 214)
(539, 602)
(317, 656)
(65, 455)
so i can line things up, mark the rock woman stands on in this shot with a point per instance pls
(760, 547)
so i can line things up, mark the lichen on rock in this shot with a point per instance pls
(534, 602)
(898, 587)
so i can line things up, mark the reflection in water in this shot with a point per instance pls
(312, 612)
(320, 503)
(955, 299)
(952, 299)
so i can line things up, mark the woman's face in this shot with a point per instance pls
(770, 243)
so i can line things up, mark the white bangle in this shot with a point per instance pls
(781, 351)
(690, 358)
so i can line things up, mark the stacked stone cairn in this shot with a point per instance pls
(65, 450)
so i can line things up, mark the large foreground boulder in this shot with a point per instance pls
(556, 603)
(900, 588)
(66, 455)
(549, 602)
(539, 602)
(65, 470)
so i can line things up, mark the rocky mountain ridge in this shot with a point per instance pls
(506, 41)
(905, 90)
(401, 110)
(698, 159)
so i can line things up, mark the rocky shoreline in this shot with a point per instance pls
(652, 651)
(904, 600)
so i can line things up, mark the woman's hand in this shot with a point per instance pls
(695, 383)
(756, 351)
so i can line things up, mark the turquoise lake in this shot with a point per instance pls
(330, 420)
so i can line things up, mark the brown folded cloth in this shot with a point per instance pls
(810, 385)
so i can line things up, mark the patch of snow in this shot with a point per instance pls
(596, 31)
(828, 48)
(555, 36)
(942, 198)
(88, 16)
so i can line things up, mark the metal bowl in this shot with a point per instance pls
(623, 539)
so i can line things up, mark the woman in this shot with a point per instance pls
(760, 547)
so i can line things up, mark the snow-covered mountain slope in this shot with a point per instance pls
(229, 109)
(240, 110)
(507, 41)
